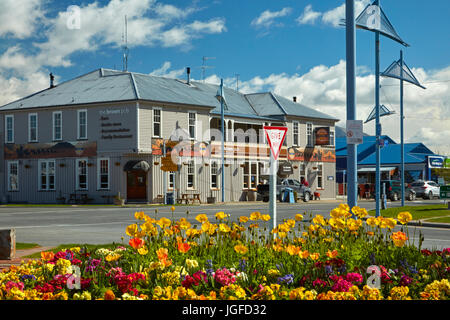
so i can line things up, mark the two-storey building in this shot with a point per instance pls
(103, 134)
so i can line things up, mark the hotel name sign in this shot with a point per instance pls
(111, 124)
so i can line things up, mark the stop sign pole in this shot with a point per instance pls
(275, 136)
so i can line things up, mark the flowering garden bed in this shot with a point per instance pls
(344, 257)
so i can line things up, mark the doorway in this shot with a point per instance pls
(137, 185)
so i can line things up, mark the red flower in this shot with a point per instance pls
(136, 243)
(183, 247)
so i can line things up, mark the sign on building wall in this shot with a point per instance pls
(322, 136)
(435, 162)
(308, 154)
(63, 149)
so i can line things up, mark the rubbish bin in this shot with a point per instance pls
(169, 198)
(288, 195)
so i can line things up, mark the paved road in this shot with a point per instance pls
(49, 226)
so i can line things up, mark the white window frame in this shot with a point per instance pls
(79, 137)
(170, 185)
(309, 134)
(55, 138)
(47, 186)
(303, 173)
(7, 117)
(29, 127)
(332, 138)
(194, 126)
(216, 162)
(320, 175)
(250, 174)
(295, 133)
(77, 175)
(191, 163)
(9, 165)
(99, 173)
(160, 122)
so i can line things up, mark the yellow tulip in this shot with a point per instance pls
(298, 217)
(254, 216)
(221, 215)
(265, 217)
(243, 219)
(202, 218)
(139, 215)
(132, 230)
(164, 223)
(184, 224)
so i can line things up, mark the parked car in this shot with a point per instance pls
(303, 192)
(426, 189)
(394, 190)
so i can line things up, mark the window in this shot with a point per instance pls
(295, 133)
(82, 124)
(13, 176)
(103, 173)
(46, 174)
(192, 128)
(32, 127)
(309, 134)
(320, 176)
(171, 180)
(9, 127)
(214, 174)
(157, 122)
(191, 174)
(81, 174)
(250, 175)
(57, 125)
(331, 138)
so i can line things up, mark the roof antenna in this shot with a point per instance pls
(204, 67)
(237, 82)
(125, 46)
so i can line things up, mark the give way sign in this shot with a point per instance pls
(275, 136)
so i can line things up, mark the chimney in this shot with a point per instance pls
(294, 99)
(52, 80)
(188, 71)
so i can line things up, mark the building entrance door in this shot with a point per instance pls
(136, 185)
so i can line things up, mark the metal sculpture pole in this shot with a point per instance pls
(351, 99)
(377, 121)
(222, 120)
(402, 145)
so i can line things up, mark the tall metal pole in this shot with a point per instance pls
(351, 99)
(272, 190)
(377, 121)
(222, 120)
(402, 145)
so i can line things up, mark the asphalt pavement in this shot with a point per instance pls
(52, 225)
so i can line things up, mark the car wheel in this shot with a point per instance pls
(306, 197)
(266, 199)
(430, 195)
(395, 197)
(411, 196)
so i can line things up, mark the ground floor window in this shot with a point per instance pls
(81, 174)
(214, 174)
(191, 174)
(103, 173)
(13, 176)
(253, 174)
(320, 176)
(303, 173)
(46, 174)
(171, 180)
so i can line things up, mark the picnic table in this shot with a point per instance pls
(187, 197)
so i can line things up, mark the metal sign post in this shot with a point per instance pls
(275, 136)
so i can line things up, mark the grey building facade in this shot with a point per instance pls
(103, 134)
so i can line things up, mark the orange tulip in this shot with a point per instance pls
(136, 243)
(47, 256)
(183, 247)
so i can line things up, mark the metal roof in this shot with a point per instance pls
(105, 85)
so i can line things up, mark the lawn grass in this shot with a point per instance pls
(24, 246)
(437, 211)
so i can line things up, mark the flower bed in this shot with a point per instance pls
(344, 257)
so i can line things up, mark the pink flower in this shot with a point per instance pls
(224, 276)
(354, 277)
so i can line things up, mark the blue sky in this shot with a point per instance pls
(289, 47)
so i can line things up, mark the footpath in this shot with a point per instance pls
(19, 257)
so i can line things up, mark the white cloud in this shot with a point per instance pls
(267, 18)
(19, 19)
(331, 17)
(164, 71)
(427, 112)
(309, 16)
